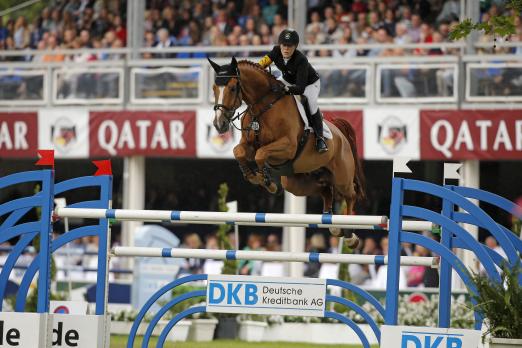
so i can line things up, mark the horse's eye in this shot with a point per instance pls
(233, 88)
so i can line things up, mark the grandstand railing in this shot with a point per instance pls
(117, 80)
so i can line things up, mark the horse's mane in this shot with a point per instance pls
(257, 68)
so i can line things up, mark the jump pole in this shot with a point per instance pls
(375, 222)
(277, 256)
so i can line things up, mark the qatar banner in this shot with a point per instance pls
(147, 133)
(471, 134)
(355, 118)
(18, 134)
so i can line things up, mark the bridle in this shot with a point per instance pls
(230, 113)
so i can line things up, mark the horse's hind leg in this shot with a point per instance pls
(348, 193)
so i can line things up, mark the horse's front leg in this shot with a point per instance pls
(282, 149)
(243, 154)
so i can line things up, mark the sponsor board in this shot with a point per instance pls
(79, 331)
(18, 134)
(211, 144)
(427, 337)
(148, 133)
(24, 330)
(68, 307)
(65, 130)
(471, 134)
(391, 133)
(266, 295)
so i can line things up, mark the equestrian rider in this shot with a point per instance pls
(301, 77)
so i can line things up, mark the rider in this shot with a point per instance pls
(301, 76)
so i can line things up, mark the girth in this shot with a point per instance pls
(287, 168)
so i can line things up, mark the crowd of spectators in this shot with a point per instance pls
(67, 24)
(368, 275)
(80, 24)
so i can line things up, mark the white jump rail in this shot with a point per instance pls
(375, 222)
(432, 262)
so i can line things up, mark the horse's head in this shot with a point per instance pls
(227, 94)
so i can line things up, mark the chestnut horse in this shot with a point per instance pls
(271, 131)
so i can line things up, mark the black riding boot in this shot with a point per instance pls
(317, 125)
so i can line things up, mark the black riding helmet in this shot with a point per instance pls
(289, 37)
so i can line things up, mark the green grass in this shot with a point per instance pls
(121, 341)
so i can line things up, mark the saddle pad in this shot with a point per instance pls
(327, 133)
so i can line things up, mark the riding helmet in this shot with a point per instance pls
(289, 37)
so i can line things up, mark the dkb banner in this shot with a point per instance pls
(266, 295)
(427, 337)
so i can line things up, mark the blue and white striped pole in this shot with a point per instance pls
(263, 219)
(271, 256)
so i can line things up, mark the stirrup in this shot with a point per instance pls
(320, 145)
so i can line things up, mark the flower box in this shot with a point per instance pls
(252, 331)
(179, 332)
(504, 342)
(202, 330)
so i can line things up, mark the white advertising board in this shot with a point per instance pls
(427, 337)
(266, 295)
(65, 130)
(68, 307)
(391, 132)
(24, 330)
(79, 331)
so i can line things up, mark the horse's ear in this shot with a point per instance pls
(215, 66)
(233, 64)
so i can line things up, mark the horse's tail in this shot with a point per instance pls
(360, 181)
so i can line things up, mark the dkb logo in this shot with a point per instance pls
(233, 294)
(430, 340)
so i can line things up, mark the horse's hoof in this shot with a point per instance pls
(352, 242)
(336, 232)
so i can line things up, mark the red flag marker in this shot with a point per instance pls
(46, 158)
(104, 167)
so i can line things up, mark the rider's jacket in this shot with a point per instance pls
(297, 70)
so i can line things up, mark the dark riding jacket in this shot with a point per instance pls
(298, 71)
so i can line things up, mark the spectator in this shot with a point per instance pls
(358, 6)
(402, 37)
(21, 33)
(381, 37)
(317, 245)
(272, 242)
(119, 30)
(333, 31)
(249, 267)
(389, 22)
(270, 11)
(164, 41)
(192, 265)
(450, 11)
(415, 29)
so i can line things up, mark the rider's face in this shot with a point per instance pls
(287, 50)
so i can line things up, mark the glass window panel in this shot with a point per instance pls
(417, 82)
(349, 82)
(88, 86)
(23, 86)
(166, 84)
(494, 81)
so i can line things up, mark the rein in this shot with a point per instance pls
(230, 113)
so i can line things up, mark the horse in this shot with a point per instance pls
(274, 137)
